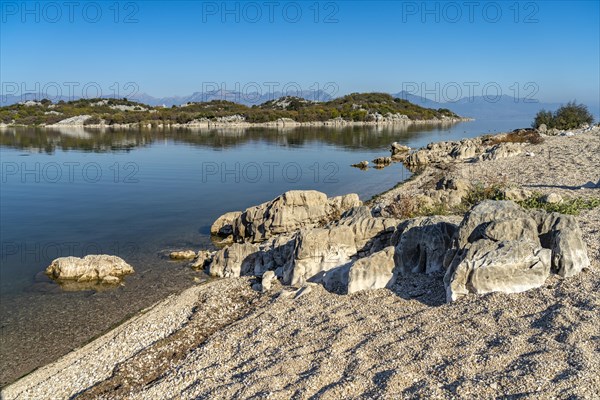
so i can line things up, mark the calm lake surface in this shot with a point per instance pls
(138, 195)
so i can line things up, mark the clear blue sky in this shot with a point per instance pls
(172, 48)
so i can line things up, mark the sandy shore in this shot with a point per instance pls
(223, 340)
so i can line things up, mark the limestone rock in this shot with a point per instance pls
(516, 194)
(233, 261)
(319, 250)
(373, 272)
(502, 150)
(551, 198)
(110, 269)
(397, 148)
(290, 212)
(370, 233)
(203, 259)
(477, 219)
(561, 234)
(267, 280)
(275, 253)
(489, 266)
(422, 244)
(501, 247)
(361, 165)
(382, 161)
(446, 152)
(182, 255)
(223, 226)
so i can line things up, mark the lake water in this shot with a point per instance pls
(140, 194)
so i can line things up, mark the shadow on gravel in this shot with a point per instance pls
(426, 289)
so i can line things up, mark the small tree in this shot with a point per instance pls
(570, 116)
(543, 117)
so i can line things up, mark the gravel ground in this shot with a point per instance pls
(221, 340)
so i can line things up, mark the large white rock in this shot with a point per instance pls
(319, 250)
(501, 247)
(422, 244)
(561, 234)
(290, 212)
(489, 266)
(234, 261)
(109, 269)
(223, 226)
(373, 272)
(371, 234)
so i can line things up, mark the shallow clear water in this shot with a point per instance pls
(137, 194)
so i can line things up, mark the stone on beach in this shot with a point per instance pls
(501, 247)
(103, 268)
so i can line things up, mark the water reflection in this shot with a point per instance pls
(48, 140)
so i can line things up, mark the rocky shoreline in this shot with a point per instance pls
(79, 122)
(407, 296)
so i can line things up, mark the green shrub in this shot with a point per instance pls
(571, 116)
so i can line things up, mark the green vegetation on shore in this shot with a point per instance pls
(361, 107)
(570, 116)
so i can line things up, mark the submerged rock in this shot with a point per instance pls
(101, 268)
(182, 255)
(361, 165)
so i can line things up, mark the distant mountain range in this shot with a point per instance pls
(480, 107)
(477, 107)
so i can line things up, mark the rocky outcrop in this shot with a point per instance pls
(319, 250)
(304, 237)
(422, 244)
(398, 149)
(376, 271)
(561, 234)
(101, 268)
(202, 260)
(370, 233)
(506, 266)
(446, 152)
(78, 120)
(464, 150)
(290, 212)
(223, 226)
(502, 150)
(501, 247)
(233, 261)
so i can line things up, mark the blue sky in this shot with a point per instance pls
(547, 50)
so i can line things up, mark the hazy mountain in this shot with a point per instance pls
(477, 107)
(248, 99)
